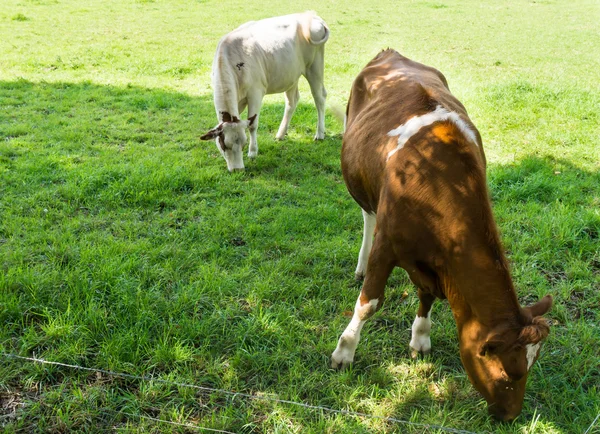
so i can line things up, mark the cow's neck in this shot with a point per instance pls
(226, 94)
(479, 288)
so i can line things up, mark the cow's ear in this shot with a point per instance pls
(539, 308)
(214, 133)
(251, 119)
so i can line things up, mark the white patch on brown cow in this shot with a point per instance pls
(414, 124)
(420, 341)
(532, 352)
(346, 347)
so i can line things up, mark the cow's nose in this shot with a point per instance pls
(502, 414)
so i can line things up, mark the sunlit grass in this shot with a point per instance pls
(126, 245)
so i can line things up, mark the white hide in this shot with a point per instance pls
(420, 341)
(265, 57)
(532, 352)
(414, 124)
(346, 347)
(234, 136)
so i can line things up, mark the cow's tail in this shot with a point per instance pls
(314, 29)
(338, 112)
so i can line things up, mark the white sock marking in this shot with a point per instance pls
(532, 352)
(421, 330)
(414, 124)
(346, 347)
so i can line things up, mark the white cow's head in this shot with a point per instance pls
(230, 137)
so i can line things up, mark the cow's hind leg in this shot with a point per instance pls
(420, 342)
(367, 243)
(254, 105)
(292, 96)
(369, 301)
(314, 75)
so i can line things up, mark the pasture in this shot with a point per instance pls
(126, 245)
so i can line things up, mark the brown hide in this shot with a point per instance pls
(434, 218)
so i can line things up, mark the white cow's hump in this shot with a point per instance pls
(281, 26)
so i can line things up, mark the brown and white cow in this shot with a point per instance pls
(260, 58)
(414, 162)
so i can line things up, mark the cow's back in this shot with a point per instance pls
(389, 92)
(273, 51)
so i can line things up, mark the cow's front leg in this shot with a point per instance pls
(254, 104)
(369, 301)
(420, 342)
(346, 347)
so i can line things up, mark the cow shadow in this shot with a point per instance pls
(90, 148)
(65, 127)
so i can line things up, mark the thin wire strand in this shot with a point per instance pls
(187, 425)
(593, 423)
(241, 394)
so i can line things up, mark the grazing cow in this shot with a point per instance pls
(415, 164)
(259, 58)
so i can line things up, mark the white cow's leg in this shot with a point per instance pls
(420, 342)
(242, 105)
(315, 79)
(254, 104)
(370, 300)
(367, 243)
(292, 96)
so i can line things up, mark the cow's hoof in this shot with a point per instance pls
(344, 353)
(414, 353)
(339, 361)
(320, 136)
(252, 154)
(280, 136)
(359, 275)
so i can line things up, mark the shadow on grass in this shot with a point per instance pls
(73, 117)
(124, 242)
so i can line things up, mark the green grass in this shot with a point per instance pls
(126, 245)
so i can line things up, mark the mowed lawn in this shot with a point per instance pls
(126, 245)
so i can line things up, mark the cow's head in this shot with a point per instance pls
(230, 137)
(498, 359)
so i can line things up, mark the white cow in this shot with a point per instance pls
(259, 58)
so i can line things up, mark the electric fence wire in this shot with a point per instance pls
(238, 394)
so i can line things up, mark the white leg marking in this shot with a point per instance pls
(420, 341)
(367, 244)
(532, 352)
(414, 124)
(346, 347)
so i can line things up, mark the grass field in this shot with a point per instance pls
(126, 245)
